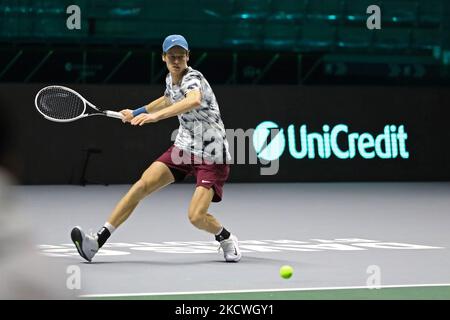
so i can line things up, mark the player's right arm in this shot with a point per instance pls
(155, 105)
(158, 104)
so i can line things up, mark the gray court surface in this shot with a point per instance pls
(332, 234)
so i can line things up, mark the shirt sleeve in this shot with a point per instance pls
(191, 81)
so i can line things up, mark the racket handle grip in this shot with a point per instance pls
(114, 114)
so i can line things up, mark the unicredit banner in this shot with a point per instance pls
(275, 134)
(389, 144)
(343, 133)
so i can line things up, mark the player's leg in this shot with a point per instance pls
(157, 176)
(200, 218)
(198, 211)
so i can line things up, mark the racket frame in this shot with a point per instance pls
(107, 113)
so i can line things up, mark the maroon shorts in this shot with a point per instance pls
(208, 175)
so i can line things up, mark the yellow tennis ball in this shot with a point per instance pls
(286, 272)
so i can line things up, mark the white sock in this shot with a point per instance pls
(110, 227)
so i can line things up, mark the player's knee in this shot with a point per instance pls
(144, 187)
(196, 217)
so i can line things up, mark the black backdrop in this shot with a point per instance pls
(53, 153)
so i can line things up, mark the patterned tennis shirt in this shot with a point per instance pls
(201, 130)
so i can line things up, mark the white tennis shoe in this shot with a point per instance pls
(86, 244)
(230, 248)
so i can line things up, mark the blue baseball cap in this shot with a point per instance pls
(174, 40)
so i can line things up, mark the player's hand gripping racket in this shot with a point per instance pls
(61, 104)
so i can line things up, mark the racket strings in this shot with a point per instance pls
(60, 104)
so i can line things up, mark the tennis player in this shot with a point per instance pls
(200, 149)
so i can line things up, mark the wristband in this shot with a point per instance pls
(138, 111)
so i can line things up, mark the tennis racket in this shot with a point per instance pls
(61, 104)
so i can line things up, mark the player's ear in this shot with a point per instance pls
(187, 56)
(163, 56)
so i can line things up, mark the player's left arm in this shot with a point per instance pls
(191, 101)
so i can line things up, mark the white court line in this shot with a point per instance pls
(258, 290)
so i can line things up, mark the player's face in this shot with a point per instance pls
(176, 59)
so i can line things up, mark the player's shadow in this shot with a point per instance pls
(152, 262)
(247, 260)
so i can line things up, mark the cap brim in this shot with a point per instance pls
(176, 45)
